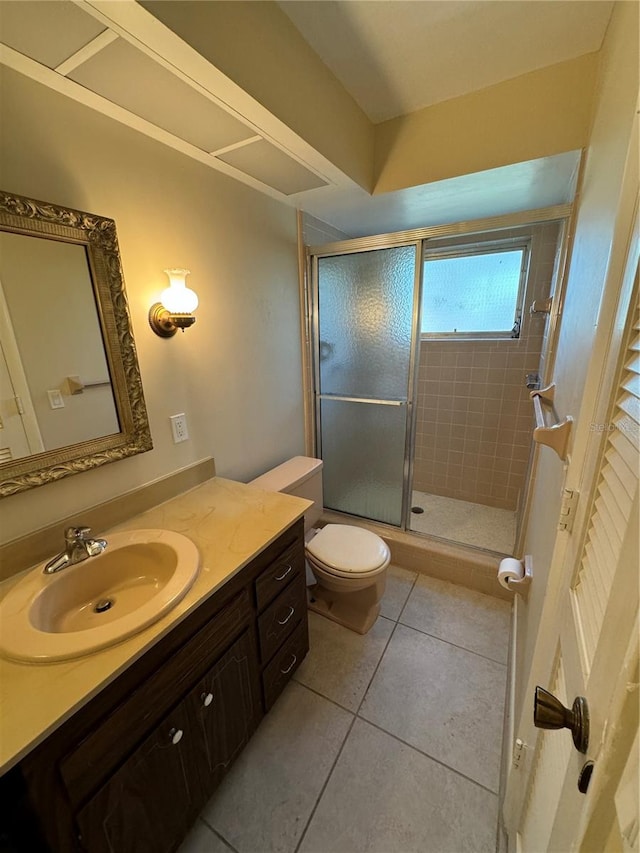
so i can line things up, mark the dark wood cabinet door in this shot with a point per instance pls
(226, 706)
(146, 805)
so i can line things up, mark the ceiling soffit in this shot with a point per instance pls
(131, 79)
(47, 32)
(122, 67)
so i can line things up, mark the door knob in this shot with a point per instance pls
(550, 713)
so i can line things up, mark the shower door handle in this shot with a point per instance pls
(361, 400)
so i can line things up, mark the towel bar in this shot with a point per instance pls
(555, 436)
(77, 386)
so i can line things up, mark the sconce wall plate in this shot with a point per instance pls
(165, 324)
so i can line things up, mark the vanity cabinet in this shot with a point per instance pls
(180, 763)
(132, 769)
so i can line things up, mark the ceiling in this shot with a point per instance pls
(396, 56)
(534, 184)
(116, 58)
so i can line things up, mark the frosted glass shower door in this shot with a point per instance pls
(365, 313)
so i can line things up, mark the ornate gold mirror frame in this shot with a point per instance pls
(98, 235)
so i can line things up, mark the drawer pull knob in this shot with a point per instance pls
(284, 621)
(207, 699)
(175, 736)
(291, 665)
(283, 575)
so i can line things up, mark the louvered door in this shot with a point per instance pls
(596, 653)
(615, 499)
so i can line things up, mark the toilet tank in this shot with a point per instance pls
(300, 476)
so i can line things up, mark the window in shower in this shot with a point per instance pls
(474, 292)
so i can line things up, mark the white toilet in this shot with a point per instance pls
(349, 563)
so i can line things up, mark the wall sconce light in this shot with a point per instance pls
(176, 306)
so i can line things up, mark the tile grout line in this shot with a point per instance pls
(322, 696)
(427, 755)
(355, 717)
(326, 782)
(413, 586)
(218, 834)
(449, 643)
(404, 624)
(408, 745)
(411, 746)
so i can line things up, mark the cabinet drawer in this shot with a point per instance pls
(284, 664)
(116, 737)
(279, 574)
(281, 617)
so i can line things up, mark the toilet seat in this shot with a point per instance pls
(348, 551)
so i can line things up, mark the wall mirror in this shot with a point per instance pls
(70, 390)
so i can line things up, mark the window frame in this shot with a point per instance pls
(481, 247)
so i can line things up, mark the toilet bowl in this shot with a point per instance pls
(349, 563)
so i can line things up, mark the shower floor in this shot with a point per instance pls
(465, 522)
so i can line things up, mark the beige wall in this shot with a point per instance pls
(259, 48)
(474, 416)
(535, 115)
(236, 373)
(602, 229)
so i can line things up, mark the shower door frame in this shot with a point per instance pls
(562, 213)
(347, 248)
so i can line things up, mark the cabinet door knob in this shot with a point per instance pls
(284, 621)
(175, 736)
(207, 699)
(284, 574)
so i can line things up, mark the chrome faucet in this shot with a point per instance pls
(79, 546)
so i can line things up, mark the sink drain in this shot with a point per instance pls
(103, 605)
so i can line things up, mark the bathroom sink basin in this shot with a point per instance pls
(140, 576)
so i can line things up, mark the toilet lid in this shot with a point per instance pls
(348, 549)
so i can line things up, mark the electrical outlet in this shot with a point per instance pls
(179, 428)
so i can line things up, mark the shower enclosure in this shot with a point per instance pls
(423, 344)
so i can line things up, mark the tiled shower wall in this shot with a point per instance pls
(474, 419)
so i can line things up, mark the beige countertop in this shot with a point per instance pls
(228, 521)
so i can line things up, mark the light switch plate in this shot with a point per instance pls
(55, 399)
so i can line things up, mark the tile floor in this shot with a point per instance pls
(465, 522)
(387, 743)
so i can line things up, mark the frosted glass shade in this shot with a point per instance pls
(178, 298)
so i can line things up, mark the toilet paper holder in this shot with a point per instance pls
(521, 585)
(528, 573)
